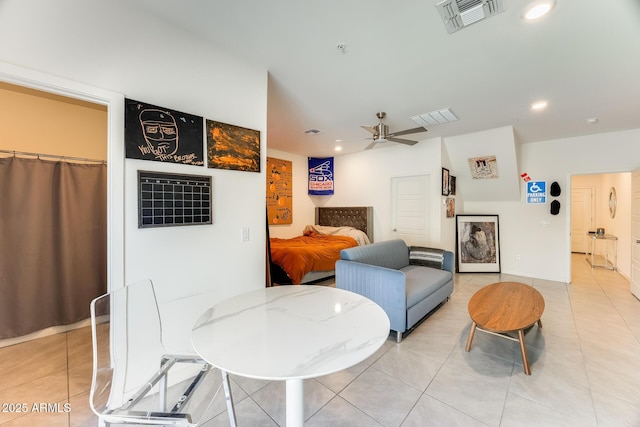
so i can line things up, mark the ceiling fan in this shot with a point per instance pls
(381, 133)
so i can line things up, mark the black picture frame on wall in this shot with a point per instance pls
(162, 135)
(452, 185)
(478, 243)
(445, 181)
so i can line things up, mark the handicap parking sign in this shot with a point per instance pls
(537, 192)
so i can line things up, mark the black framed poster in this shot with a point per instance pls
(445, 181)
(478, 243)
(162, 135)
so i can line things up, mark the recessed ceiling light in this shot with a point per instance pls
(338, 148)
(538, 9)
(539, 105)
(592, 120)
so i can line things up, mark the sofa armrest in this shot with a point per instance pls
(448, 262)
(384, 286)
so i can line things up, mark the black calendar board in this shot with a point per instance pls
(171, 200)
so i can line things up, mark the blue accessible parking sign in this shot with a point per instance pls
(537, 192)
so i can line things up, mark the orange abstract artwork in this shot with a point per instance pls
(279, 191)
(232, 147)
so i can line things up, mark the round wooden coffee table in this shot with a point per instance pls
(505, 307)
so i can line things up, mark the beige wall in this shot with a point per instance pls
(39, 122)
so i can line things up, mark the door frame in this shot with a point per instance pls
(114, 102)
(567, 218)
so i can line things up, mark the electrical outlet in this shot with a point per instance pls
(244, 234)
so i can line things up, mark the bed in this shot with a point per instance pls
(311, 257)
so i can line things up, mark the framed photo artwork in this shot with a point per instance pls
(232, 147)
(450, 203)
(478, 243)
(452, 185)
(445, 182)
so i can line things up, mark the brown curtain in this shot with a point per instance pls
(53, 242)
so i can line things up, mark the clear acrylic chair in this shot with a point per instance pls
(134, 380)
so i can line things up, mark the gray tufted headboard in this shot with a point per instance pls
(360, 217)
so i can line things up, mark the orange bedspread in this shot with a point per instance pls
(303, 254)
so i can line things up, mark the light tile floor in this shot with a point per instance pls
(585, 364)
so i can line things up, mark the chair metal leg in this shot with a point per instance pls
(186, 395)
(162, 389)
(228, 398)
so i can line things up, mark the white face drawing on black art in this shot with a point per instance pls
(160, 131)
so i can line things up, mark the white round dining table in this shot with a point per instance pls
(290, 333)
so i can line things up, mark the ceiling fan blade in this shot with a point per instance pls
(402, 141)
(408, 131)
(369, 129)
(370, 146)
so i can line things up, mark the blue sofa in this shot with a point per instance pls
(383, 272)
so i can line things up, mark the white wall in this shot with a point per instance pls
(620, 225)
(364, 179)
(542, 240)
(114, 46)
(498, 142)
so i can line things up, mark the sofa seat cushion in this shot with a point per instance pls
(423, 281)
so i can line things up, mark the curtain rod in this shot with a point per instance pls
(54, 156)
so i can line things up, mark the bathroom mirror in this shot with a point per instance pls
(612, 202)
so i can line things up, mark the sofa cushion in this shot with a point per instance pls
(389, 253)
(427, 257)
(423, 281)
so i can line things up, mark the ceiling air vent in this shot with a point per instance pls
(458, 14)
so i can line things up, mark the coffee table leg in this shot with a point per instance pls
(539, 323)
(471, 332)
(523, 350)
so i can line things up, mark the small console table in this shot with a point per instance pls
(610, 253)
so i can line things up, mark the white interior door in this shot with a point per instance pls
(635, 233)
(410, 209)
(581, 218)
